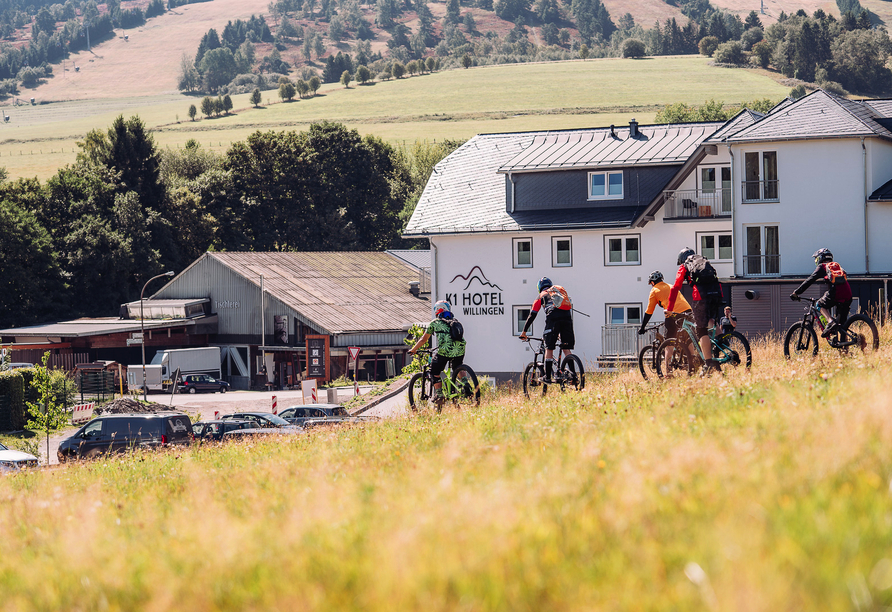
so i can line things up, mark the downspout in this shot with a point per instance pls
(734, 244)
(435, 274)
(866, 243)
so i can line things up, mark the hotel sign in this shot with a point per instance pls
(478, 297)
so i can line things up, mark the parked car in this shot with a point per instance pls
(242, 434)
(263, 419)
(214, 430)
(193, 383)
(117, 433)
(14, 460)
(298, 414)
(16, 365)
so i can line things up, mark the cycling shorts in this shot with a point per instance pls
(704, 310)
(438, 363)
(674, 321)
(842, 307)
(562, 327)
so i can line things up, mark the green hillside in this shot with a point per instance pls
(448, 104)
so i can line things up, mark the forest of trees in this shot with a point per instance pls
(85, 241)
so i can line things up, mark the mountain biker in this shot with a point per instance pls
(558, 322)
(707, 294)
(660, 295)
(447, 348)
(838, 294)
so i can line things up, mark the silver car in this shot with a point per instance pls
(13, 460)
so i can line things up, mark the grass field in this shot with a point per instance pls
(761, 490)
(451, 104)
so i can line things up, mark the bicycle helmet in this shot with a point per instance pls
(822, 256)
(655, 277)
(443, 309)
(544, 283)
(684, 254)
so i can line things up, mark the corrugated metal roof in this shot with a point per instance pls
(417, 258)
(92, 327)
(610, 147)
(820, 114)
(340, 292)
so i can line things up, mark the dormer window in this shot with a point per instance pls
(605, 185)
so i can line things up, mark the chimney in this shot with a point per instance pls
(612, 131)
(633, 129)
(413, 288)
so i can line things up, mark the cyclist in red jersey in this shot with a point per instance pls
(558, 322)
(707, 302)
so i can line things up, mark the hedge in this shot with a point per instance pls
(12, 400)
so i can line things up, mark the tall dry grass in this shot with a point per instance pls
(759, 490)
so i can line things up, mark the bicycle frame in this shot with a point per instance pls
(690, 327)
(450, 389)
(540, 353)
(812, 316)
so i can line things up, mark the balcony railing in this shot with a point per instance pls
(623, 340)
(761, 265)
(697, 203)
(760, 191)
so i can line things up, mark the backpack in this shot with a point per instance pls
(559, 297)
(456, 330)
(701, 271)
(835, 274)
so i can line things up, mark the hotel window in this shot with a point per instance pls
(561, 252)
(760, 182)
(520, 318)
(623, 314)
(523, 252)
(715, 247)
(762, 255)
(622, 250)
(605, 185)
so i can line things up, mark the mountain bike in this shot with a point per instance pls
(647, 356)
(569, 374)
(728, 349)
(459, 386)
(859, 331)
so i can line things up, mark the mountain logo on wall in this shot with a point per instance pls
(480, 277)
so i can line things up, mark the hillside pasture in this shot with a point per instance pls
(761, 490)
(449, 104)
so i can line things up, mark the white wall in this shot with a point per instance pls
(821, 190)
(591, 284)
(879, 214)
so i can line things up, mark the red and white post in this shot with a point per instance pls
(275, 405)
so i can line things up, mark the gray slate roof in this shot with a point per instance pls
(610, 147)
(818, 115)
(741, 120)
(467, 190)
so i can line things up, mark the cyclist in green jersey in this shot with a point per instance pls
(448, 349)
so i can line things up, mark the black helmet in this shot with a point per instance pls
(684, 254)
(822, 255)
(655, 277)
(544, 283)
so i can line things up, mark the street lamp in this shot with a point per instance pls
(142, 327)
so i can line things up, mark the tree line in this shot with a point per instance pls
(86, 240)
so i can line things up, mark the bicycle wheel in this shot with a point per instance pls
(421, 392)
(647, 364)
(465, 380)
(863, 331)
(736, 351)
(533, 375)
(680, 362)
(573, 373)
(800, 341)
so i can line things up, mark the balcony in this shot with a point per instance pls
(697, 203)
(620, 345)
(761, 265)
(760, 191)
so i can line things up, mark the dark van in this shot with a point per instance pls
(117, 433)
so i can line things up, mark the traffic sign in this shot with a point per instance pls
(354, 352)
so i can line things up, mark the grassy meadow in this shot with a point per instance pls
(450, 104)
(759, 490)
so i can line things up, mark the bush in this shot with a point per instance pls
(12, 400)
(730, 52)
(761, 54)
(708, 45)
(632, 47)
(798, 92)
(833, 87)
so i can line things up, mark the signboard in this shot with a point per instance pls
(354, 352)
(280, 327)
(132, 341)
(136, 335)
(82, 412)
(473, 294)
(308, 388)
(317, 357)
